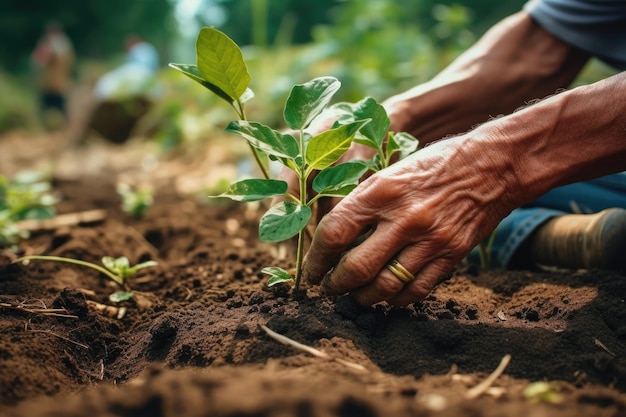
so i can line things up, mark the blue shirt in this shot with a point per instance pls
(144, 55)
(595, 26)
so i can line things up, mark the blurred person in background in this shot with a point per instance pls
(136, 76)
(54, 60)
(125, 94)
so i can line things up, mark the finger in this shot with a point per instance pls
(323, 206)
(417, 260)
(333, 236)
(387, 284)
(361, 264)
(423, 283)
(293, 184)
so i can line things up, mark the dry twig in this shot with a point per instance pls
(317, 353)
(483, 386)
(63, 220)
(44, 311)
(602, 346)
(107, 310)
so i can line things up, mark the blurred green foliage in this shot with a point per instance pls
(18, 105)
(294, 20)
(375, 48)
(25, 196)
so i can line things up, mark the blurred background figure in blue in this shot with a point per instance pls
(126, 93)
(135, 77)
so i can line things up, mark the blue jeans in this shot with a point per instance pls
(583, 197)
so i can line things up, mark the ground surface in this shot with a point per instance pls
(190, 344)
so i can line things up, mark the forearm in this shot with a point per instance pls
(516, 61)
(573, 136)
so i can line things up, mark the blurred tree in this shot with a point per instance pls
(246, 18)
(96, 27)
(245, 22)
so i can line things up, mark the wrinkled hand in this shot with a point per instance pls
(427, 211)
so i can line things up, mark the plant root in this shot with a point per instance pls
(107, 310)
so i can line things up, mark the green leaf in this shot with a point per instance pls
(283, 221)
(306, 101)
(41, 212)
(193, 72)
(118, 266)
(343, 111)
(133, 270)
(221, 63)
(271, 142)
(374, 132)
(543, 391)
(119, 296)
(254, 189)
(121, 266)
(340, 179)
(277, 275)
(403, 142)
(326, 148)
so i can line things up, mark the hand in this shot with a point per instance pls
(427, 211)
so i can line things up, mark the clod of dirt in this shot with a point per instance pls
(73, 301)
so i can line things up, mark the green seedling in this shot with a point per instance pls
(306, 155)
(221, 69)
(484, 250)
(542, 391)
(135, 201)
(10, 232)
(26, 196)
(117, 270)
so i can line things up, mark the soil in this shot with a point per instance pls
(191, 344)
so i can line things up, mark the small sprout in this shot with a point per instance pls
(542, 391)
(121, 266)
(135, 201)
(119, 296)
(10, 232)
(26, 196)
(116, 269)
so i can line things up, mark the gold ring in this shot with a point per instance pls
(400, 271)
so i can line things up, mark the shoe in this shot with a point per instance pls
(582, 241)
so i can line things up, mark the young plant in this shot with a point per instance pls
(543, 391)
(117, 270)
(10, 232)
(26, 196)
(484, 250)
(306, 155)
(135, 201)
(221, 69)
